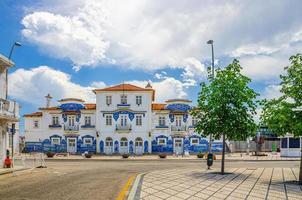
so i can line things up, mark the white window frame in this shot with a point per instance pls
(139, 120)
(87, 120)
(108, 100)
(191, 141)
(124, 120)
(36, 123)
(162, 141)
(139, 100)
(162, 121)
(108, 120)
(124, 99)
(55, 143)
(55, 120)
(85, 141)
(71, 121)
(178, 120)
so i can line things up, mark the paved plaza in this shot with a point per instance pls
(240, 183)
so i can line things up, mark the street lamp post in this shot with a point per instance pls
(211, 42)
(16, 44)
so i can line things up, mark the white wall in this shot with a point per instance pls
(2, 83)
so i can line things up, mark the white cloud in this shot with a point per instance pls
(271, 92)
(153, 34)
(33, 84)
(167, 88)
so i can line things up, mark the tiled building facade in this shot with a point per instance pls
(124, 119)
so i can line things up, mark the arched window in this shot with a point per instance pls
(109, 141)
(124, 142)
(138, 142)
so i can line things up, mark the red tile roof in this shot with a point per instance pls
(90, 106)
(126, 87)
(50, 108)
(35, 114)
(158, 106)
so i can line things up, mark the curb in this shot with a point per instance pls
(135, 189)
(13, 170)
(163, 160)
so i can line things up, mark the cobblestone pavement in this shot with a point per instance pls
(240, 183)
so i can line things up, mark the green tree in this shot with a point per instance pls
(226, 106)
(284, 115)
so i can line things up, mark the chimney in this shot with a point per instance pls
(48, 99)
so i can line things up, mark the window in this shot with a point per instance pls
(123, 99)
(178, 120)
(124, 142)
(108, 100)
(36, 124)
(109, 142)
(108, 120)
(55, 120)
(55, 141)
(138, 120)
(71, 121)
(194, 121)
(88, 141)
(162, 121)
(194, 141)
(87, 120)
(138, 142)
(123, 120)
(138, 100)
(162, 141)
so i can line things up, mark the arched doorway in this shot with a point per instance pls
(138, 146)
(123, 145)
(108, 146)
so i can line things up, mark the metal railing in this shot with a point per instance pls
(120, 127)
(71, 128)
(178, 128)
(8, 108)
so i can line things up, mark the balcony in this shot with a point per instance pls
(8, 110)
(123, 128)
(162, 127)
(123, 105)
(54, 126)
(74, 128)
(179, 128)
(88, 126)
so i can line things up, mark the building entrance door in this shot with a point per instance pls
(71, 145)
(178, 146)
(109, 146)
(138, 146)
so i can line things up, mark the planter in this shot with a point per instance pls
(50, 154)
(88, 155)
(125, 155)
(162, 155)
(200, 155)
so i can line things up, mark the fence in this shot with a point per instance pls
(242, 146)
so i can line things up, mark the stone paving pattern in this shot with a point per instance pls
(242, 183)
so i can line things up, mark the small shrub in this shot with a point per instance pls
(200, 155)
(125, 155)
(50, 154)
(88, 155)
(162, 155)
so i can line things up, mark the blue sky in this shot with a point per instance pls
(71, 47)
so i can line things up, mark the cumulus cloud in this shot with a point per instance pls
(33, 84)
(167, 88)
(271, 92)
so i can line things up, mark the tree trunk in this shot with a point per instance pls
(300, 176)
(223, 153)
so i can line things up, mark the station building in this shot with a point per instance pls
(124, 119)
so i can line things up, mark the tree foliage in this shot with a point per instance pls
(227, 105)
(281, 115)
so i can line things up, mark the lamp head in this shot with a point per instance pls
(210, 42)
(18, 44)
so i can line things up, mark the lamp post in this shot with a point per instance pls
(211, 42)
(16, 44)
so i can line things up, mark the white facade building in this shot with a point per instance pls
(124, 119)
(9, 113)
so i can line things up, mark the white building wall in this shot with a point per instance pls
(2, 83)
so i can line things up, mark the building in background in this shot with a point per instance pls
(9, 113)
(124, 119)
